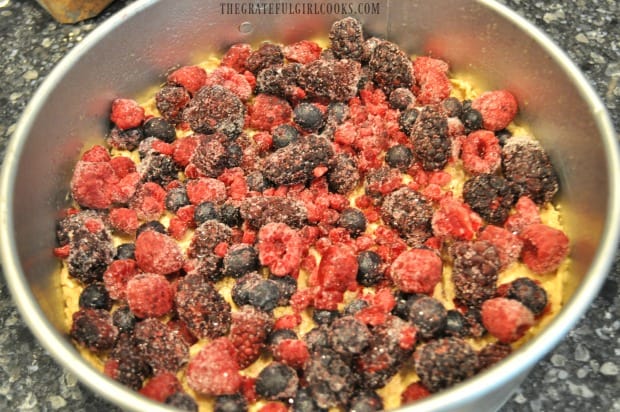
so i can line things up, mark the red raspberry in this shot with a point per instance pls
(184, 149)
(526, 214)
(506, 319)
(380, 306)
(455, 220)
(116, 276)
(287, 321)
(273, 407)
(291, 352)
(236, 56)
(544, 247)
(416, 271)
(507, 244)
(160, 386)
(481, 152)
(149, 201)
(232, 80)
(124, 220)
(123, 192)
(432, 79)
(338, 269)
(414, 392)
(236, 183)
(158, 253)
(304, 51)
(97, 153)
(149, 295)
(177, 228)
(205, 189)
(186, 213)
(268, 111)
(248, 333)
(92, 184)
(126, 113)
(192, 78)
(122, 166)
(214, 370)
(162, 147)
(498, 109)
(263, 140)
(280, 248)
(62, 252)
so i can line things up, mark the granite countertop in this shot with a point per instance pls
(582, 373)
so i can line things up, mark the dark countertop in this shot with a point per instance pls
(582, 373)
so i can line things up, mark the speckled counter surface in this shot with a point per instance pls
(582, 373)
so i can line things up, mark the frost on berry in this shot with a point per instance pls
(215, 109)
(93, 329)
(89, 255)
(475, 270)
(206, 237)
(248, 333)
(261, 210)
(506, 319)
(335, 80)
(481, 152)
(390, 66)
(347, 39)
(93, 183)
(280, 248)
(158, 253)
(416, 271)
(214, 370)
(163, 348)
(491, 196)
(544, 247)
(455, 220)
(498, 108)
(408, 212)
(149, 295)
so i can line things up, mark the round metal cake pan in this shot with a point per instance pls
(128, 54)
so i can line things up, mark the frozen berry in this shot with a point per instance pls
(498, 108)
(330, 378)
(529, 293)
(176, 198)
(369, 268)
(280, 248)
(214, 370)
(407, 119)
(348, 336)
(126, 113)
(335, 80)
(417, 271)
(507, 244)
(493, 353)
(353, 220)
(304, 402)
(481, 152)
(399, 156)
(452, 106)
(324, 316)
(283, 135)
(149, 295)
(544, 247)
(93, 184)
(456, 325)
(94, 329)
(308, 116)
(158, 253)
(455, 220)
(158, 168)
(265, 295)
(124, 319)
(408, 212)
(367, 401)
(391, 67)
(303, 51)
(89, 255)
(258, 211)
(287, 285)
(267, 55)
(277, 381)
(160, 128)
(160, 386)
(154, 225)
(230, 403)
(215, 109)
(125, 251)
(506, 319)
(471, 118)
(343, 175)
(95, 296)
(429, 317)
(171, 101)
(248, 333)
(163, 347)
(206, 211)
(401, 98)
(127, 139)
(475, 270)
(239, 260)
(430, 138)
(206, 237)
(182, 401)
(192, 78)
(268, 111)
(256, 181)
(491, 196)
(347, 39)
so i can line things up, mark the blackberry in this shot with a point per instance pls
(490, 196)
(206, 211)
(430, 139)
(353, 220)
(317, 338)
(132, 368)
(473, 317)
(239, 260)
(348, 336)
(158, 168)
(176, 198)
(127, 139)
(230, 403)
(260, 210)
(331, 380)
(208, 265)
(369, 268)
(93, 328)
(163, 347)
(335, 80)
(125, 251)
(408, 212)
(283, 135)
(267, 55)
(381, 180)
(429, 317)
(347, 39)
(367, 401)
(211, 156)
(89, 255)
(391, 67)
(343, 175)
(215, 109)
(155, 225)
(277, 381)
(337, 112)
(525, 163)
(475, 270)
(95, 296)
(456, 325)
(529, 293)
(399, 157)
(68, 226)
(407, 119)
(171, 101)
(401, 98)
(124, 319)
(279, 81)
(304, 402)
(160, 128)
(287, 285)
(206, 237)
(184, 402)
(256, 181)
(444, 362)
(452, 107)
(493, 353)
(308, 116)
(470, 117)
(324, 316)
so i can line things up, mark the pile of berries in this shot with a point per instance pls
(316, 180)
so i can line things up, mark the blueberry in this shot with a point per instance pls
(456, 325)
(406, 120)
(401, 98)
(349, 336)
(308, 116)
(399, 157)
(230, 403)
(324, 316)
(503, 136)
(176, 198)
(277, 381)
(265, 295)
(368, 401)
(95, 296)
(160, 128)
(353, 220)
(369, 270)
(452, 106)
(230, 215)
(234, 155)
(239, 260)
(205, 211)
(429, 316)
(182, 401)
(283, 135)
(529, 293)
(287, 285)
(403, 303)
(124, 319)
(471, 118)
(304, 402)
(125, 251)
(151, 225)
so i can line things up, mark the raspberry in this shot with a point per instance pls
(149, 295)
(432, 79)
(124, 220)
(268, 111)
(335, 80)
(491, 196)
(261, 210)
(122, 166)
(158, 253)
(498, 108)
(267, 55)
(526, 213)
(184, 148)
(291, 352)
(93, 328)
(205, 189)
(414, 392)
(280, 248)
(215, 109)
(475, 271)
(214, 370)
(416, 271)
(506, 319)
(192, 78)
(544, 247)
(97, 153)
(481, 152)
(507, 244)
(161, 386)
(126, 113)
(93, 183)
(232, 80)
(338, 269)
(430, 139)
(455, 220)
(236, 56)
(248, 333)
(148, 201)
(408, 212)
(201, 307)
(390, 66)
(444, 362)
(277, 381)
(171, 101)
(304, 52)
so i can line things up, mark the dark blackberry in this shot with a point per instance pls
(308, 116)
(155, 225)
(332, 79)
(324, 316)
(475, 270)
(367, 401)
(277, 381)
(171, 101)
(347, 39)
(503, 136)
(401, 98)
(391, 67)
(287, 285)
(529, 293)
(278, 81)
(211, 156)
(353, 220)
(132, 368)
(429, 317)
(176, 198)
(93, 328)
(206, 211)
(493, 353)
(162, 347)
(369, 268)
(407, 119)
(215, 109)
(124, 319)
(125, 251)
(260, 210)
(317, 338)
(68, 226)
(304, 402)
(283, 135)
(256, 181)
(525, 163)
(201, 307)
(491, 196)
(456, 325)
(127, 139)
(158, 168)
(230, 403)
(295, 163)
(331, 379)
(267, 55)
(160, 128)
(355, 306)
(408, 212)
(184, 402)
(343, 175)
(445, 362)
(95, 296)
(473, 317)
(431, 142)
(89, 255)
(239, 260)
(400, 157)
(348, 336)
(206, 237)
(470, 117)
(452, 107)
